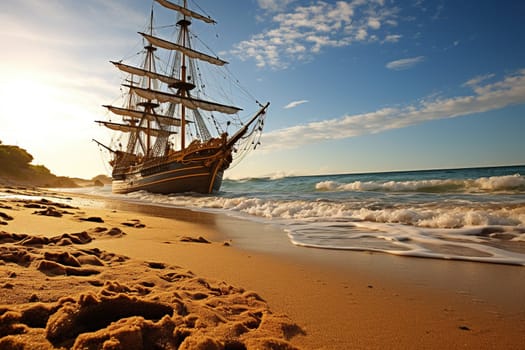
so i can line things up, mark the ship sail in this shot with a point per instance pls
(168, 45)
(186, 101)
(185, 11)
(133, 128)
(173, 132)
(138, 115)
(146, 73)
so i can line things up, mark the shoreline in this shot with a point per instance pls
(489, 293)
(339, 299)
(272, 240)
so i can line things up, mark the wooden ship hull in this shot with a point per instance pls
(199, 169)
(171, 177)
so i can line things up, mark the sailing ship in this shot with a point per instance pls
(172, 137)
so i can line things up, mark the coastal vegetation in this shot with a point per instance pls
(16, 168)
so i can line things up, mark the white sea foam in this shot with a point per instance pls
(442, 215)
(453, 216)
(467, 244)
(501, 183)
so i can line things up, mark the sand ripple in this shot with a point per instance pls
(57, 295)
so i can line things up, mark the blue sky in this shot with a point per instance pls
(354, 86)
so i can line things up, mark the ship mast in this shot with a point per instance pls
(148, 108)
(184, 24)
(184, 85)
(155, 127)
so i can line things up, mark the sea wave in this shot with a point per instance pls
(448, 214)
(506, 183)
(476, 219)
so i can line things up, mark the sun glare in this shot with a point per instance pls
(28, 97)
(31, 109)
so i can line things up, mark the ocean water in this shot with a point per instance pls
(475, 214)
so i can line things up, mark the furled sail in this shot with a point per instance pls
(145, 73)
(131, 128)
(162, 119)
(168, 45)
(188, 102)
(185, 11)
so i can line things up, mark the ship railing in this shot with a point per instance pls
(194, 147)
(197, 146)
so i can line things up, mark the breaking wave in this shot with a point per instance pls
(514, 182)
(454, 213)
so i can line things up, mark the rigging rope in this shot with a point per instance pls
(200, 9)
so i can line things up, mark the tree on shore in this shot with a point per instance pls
(15, 165)
(13, 159)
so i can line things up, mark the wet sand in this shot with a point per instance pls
(195, 280)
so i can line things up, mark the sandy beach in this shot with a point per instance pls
(112, 275)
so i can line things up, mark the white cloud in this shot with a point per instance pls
(404, 63)
(299, 34)
(392, 38)
(374, 23)
(477, 80)
(273, 5)
(294, 104)
(361, 34)
(507, 92)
